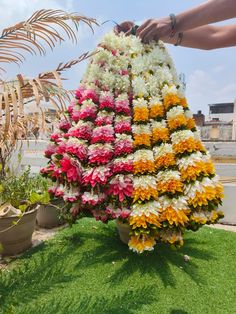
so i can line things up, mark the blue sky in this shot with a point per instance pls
(210, 75)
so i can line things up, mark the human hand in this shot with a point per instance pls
(125, 27)
(154, 29)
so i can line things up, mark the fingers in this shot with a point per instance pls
(151, 35)
(144, 35)
(143, 26)
(125, 27)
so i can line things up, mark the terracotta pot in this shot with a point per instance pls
(48, 216)
(124, 230)
(18, 238)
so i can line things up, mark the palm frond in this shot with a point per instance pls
(43, 29)
(46, 87)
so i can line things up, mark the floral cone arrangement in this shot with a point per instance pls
(128, 148)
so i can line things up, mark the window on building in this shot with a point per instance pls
(222, 108)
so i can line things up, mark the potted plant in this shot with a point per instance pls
(49, 215)
(19, 200)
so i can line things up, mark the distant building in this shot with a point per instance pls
(222, 112)
(221, 125)
(199, 118)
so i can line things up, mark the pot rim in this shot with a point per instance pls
(24, 214)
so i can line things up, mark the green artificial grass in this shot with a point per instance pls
(86, 269)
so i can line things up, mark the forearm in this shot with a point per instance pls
(207, 37)
(209, 12)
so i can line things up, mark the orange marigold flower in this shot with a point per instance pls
(143, 221)
(171, 186)
(143, 166)
(202, 198)
(188, 145)
(142, 139)
(174, 217)
(141, 114)
(171, 100)
(161, 134)
(171, 236)
(156, 110)
(200, 168)
(199, 146)
(183, 102)
(165, 161)
(144, 194)
(141, 243)
(176, 122)
(191, 123)
(198, 219)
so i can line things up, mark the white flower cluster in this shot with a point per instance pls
(143, 155)
(175, 112)
(141, 129)
(181, 136)
(144, 182)
(168, 175)
(175, 203)
(146, 209)
(162, 150)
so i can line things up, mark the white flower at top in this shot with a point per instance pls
(139, 86)
(174, 112)
(144, 182)
(153, 84)
(141, 129)
(182, 135)
(162, 150)
(123, 136)
(191, 160)
(154, 100)
(175, 203)
(167, 90)
(138, 65)
(168, 175)
(146, 209)
(158, 124)
(122, 96)
(188, 114)
(191, 189)
(140, 102)
(143, 154)
(164, 75)
(122, 83)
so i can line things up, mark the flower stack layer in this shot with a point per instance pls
(128, 148)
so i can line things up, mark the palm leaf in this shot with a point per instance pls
(43, 29)
(46, 87)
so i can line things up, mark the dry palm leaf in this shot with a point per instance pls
(47, 87)
(43, 29)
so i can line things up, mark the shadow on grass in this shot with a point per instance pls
(110, 249)
(37, 271)
(127, 302)
(63, 260)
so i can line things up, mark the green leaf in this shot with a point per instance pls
(23, 207)
(34, 198)
(45, 198)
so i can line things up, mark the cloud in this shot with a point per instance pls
(204, 88)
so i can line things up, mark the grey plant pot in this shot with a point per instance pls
(17, 238)
(48, 216)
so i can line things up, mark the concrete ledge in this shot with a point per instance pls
(229, 204)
